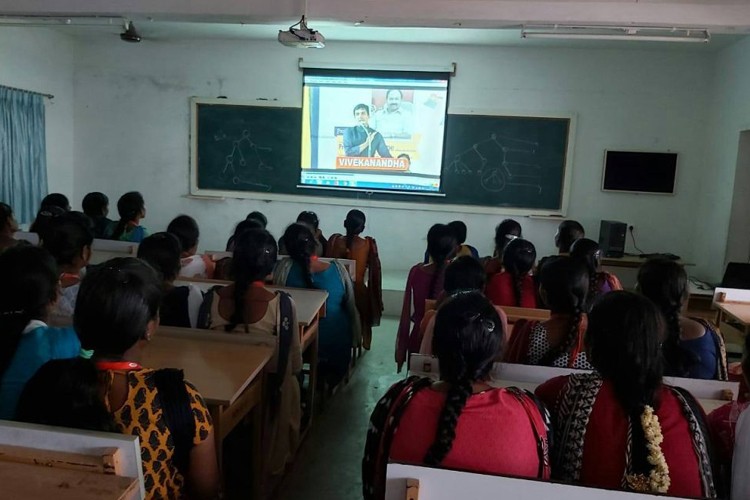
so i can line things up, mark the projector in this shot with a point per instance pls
(302, 38)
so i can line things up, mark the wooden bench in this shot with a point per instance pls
(41, 462)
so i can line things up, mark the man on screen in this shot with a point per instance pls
(395, 118)
(361, 140)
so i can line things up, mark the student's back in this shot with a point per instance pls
(28, 293)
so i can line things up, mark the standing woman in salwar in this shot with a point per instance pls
(364, 251)
(340, 328)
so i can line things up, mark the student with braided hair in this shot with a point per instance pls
(425, 281)
(364, 251)
(515, 286)
(132, 209)
(340, 329)
(588, 252)
(693, 348)
(460, 422)
(505, 232)
(559, 340)
(247, 307)
(621, 427)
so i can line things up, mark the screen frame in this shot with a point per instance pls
(376, 73)
(674, 182)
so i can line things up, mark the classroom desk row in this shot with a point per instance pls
(227, 368)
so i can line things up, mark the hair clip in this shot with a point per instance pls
(17, 312)
(510, 237)
(122, 277)
(488, 325)
(85, 353)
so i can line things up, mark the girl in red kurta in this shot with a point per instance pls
(460, 422)
(515, 286)
(620, 427)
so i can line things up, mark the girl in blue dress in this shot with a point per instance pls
(340, 329)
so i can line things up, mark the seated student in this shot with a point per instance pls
(27, 296)
(739, 437)
(621, 427)
(65, 393)
(117, 313)
(464, 274)
(132, 209)
(69, 241)
(45, 219)
(459, 228)
(96, 206)
(364, 251)
(692, 348)
(187, 232)
(55, 200)
(588, 252)
(8, 227)
(515, 286)
(241, 227)
(179, 304)
(461, 422)
(310, 220)
(259, 217)
(425, 281)
(340, 329)
(505, 232)
(568, 231)
(559, 340)
(724, 424)
(247, 307)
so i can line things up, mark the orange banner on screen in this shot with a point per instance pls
(372, 163)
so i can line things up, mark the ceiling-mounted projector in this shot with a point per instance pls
(302, 37)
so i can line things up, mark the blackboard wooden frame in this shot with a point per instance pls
(363, 199)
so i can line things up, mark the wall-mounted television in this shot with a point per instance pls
(639, 172)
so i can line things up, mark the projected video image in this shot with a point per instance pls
(375, 132)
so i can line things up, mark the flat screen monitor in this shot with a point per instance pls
(373, 130)
(639, 172)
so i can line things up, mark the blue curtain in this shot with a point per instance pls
(23, 152)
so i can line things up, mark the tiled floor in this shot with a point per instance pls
(328, 466)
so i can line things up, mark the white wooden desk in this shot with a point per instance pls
(349, 264)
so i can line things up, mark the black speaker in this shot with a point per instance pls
(612, 238)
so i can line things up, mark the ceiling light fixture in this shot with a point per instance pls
(130, 34)
(630, 33)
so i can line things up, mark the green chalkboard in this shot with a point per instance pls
(489, 161)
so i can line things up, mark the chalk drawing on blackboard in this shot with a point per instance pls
(496, 168)
(246, 160)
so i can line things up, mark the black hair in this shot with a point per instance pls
(45, 219)
(186, 230)
(162, 252)
(464, 273)
(65, 393)
(468, 338)
(55, 200)
(6, 214)
(354, 224)
(588, 253)
(665, 283)
(300, 243)
(240, 228)
(565, 282)
(116, 301)
(253, 259)
(129, 206)
(68, 236)
(441, 243)
(746, 359)
(518, 259)
(258, 216)
(567, 232)
(95, 204)
(623, 337)
(30, 281)
(459, 229)
(309, 218)
(504, 233)
(361, 106)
